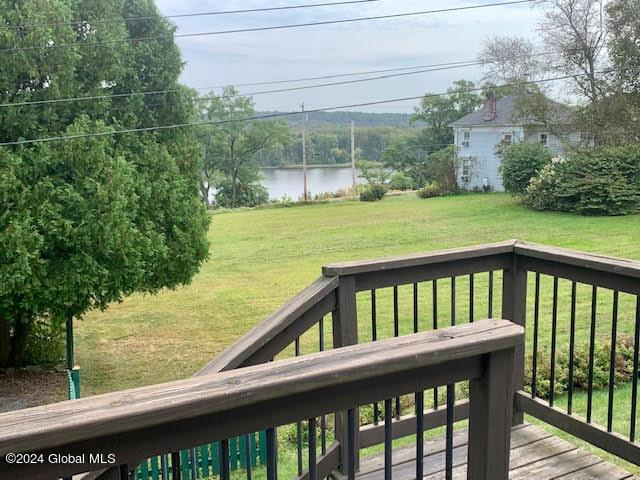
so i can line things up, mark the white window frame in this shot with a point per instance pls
(466, 165)
(544, 143)
(511, 137)
(466, 138)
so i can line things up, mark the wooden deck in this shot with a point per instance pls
(535, 454)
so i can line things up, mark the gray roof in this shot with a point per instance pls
(506, 115)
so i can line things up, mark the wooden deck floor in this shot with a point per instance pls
(535, 454)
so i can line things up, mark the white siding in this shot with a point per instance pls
(485, 166)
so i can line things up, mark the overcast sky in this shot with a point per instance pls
(331, 49)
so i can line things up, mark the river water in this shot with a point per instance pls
(290, 181)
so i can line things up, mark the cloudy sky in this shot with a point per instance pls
(343, 48)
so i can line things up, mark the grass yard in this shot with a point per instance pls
(261, 258)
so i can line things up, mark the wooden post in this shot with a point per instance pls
(353, 156)
(490, 418)
(514, 308)
(345, 332)
(304, 152)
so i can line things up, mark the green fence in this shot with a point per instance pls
(204, 461)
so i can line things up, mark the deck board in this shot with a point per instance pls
(535, 453)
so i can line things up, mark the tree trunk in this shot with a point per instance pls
(204, 190)
(19, 341)
(234, 178)
(5, 341)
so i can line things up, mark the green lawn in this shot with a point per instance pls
(260, 258)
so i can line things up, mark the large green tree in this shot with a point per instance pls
(86, 222)
(231, 142)
(438, 111)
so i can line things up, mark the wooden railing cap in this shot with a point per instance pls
(403, 261)
(594, 261)
(50, 426)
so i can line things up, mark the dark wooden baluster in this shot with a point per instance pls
(415, 308)
(225, 472)
(612, 360)
(490, 299)
(194, 467)
(351, 444)
(419, 435)
(388, 440)
(176, 473)
(451, 396)
(313, 466)
(164, 468)
(396, 333)
(572, 347)
(592, 343)
(536, 323)
(272, 461)
(374, 337)
(298, 423)
(124, 472)
(453, 301)
(471, 295)
(435, 327)
(554, 328)
(634, 388)
(247, 452)
(323, 418)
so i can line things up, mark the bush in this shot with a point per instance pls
(602, 353)
(373, 192)
(439, 166)
(605, 182)
(46, 343)
(400, 181)
(433, 189)
(247, 195)
(520, 163)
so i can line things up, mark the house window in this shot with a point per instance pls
(466, 138)
(466, 168)
(544, 139)
(507, 138)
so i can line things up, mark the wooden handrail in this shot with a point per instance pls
(420, 259)
(592, 261)
(277, 331)
(146, 421)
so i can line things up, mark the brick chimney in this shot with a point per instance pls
(490, 107)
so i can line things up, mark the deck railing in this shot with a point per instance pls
(562, 297)
(122, 427)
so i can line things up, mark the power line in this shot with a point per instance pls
(275, 27)
(187, 15)
(278, 114)
(248, 94)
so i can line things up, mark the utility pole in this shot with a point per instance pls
(304, 151)
(353, 156)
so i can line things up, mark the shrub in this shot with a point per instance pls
(602, 353)
(400, 181)
(373, 192)
(439, 166)
(520, 163)
(247, 195)
(605, 182)
(430, 190)
(46, 343)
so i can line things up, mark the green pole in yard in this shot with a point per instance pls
(69, 342)
(73, 372)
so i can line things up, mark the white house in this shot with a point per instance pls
(476, 135)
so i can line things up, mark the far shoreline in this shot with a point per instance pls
(298, 166)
